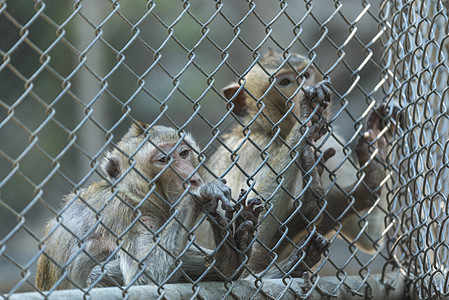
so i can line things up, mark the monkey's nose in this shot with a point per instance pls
(195, 180)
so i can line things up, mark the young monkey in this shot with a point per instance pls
(276, 104)
(143, 214)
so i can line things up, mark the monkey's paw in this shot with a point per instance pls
(317, 245)
(372, 146)
(318, 94)
(309, 152)
(239, 234)
(246, 220)
(213, 192)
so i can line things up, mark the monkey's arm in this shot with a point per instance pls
(308, 211)
(371, 150)
(234, 239)
(344, 202)
(301, 260)
(220, 264)
(284, 180)
(159, 252)
(194, 263)
(69, 265)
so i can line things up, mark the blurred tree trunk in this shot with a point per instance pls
(88, 87)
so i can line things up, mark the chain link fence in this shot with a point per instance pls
(75, 76)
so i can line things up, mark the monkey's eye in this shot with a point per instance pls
(162, 158)
(306, 75)
(285, 82)
(184, 153)
(286, 79)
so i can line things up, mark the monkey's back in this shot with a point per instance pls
(75, 222)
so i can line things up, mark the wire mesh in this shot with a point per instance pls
(418, 46)
(77, 75)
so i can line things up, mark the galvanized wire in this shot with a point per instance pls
(75, 75)
(415, 59)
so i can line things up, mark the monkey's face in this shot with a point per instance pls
(141, 168)
(287, 88)
(272, 87)
(174, 168)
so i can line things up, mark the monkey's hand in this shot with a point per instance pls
(372, 146)
(108, 275)
(212, 192)
(310, 254)
(312, 163)
(235, 240)
(247, 213)
(316, 97)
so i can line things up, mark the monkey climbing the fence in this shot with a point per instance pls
(276, 101)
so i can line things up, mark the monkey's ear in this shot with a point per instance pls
(270, 52)
(111, 166)
(142, 124)
(137, 129)
(231, 92)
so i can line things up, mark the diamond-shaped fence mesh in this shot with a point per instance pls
(337, 189)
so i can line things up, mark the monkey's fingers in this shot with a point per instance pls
(323, 96)
(226, 205)
(399, 117)
(247, 216)
(320, 242)
(229, 214)
(362, 148)
(327, 91)
(215, 213)
(313, 252)
(257, 211)
(214, 190)
(223, 193)
(326, 155)
(376, 117)
(367, 143)
(310, 92)
(223, 221)
(392, 117)
(240, 200)
(242, 235)
(213, 206)
(252, 202)
(242, 196)
(315, 248)
(251, 212)
(329, 153)
(317, 131)
(217, 216)
(319, 93)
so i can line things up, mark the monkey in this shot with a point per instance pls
(260, 150)
(140, 216)
(296, 263)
